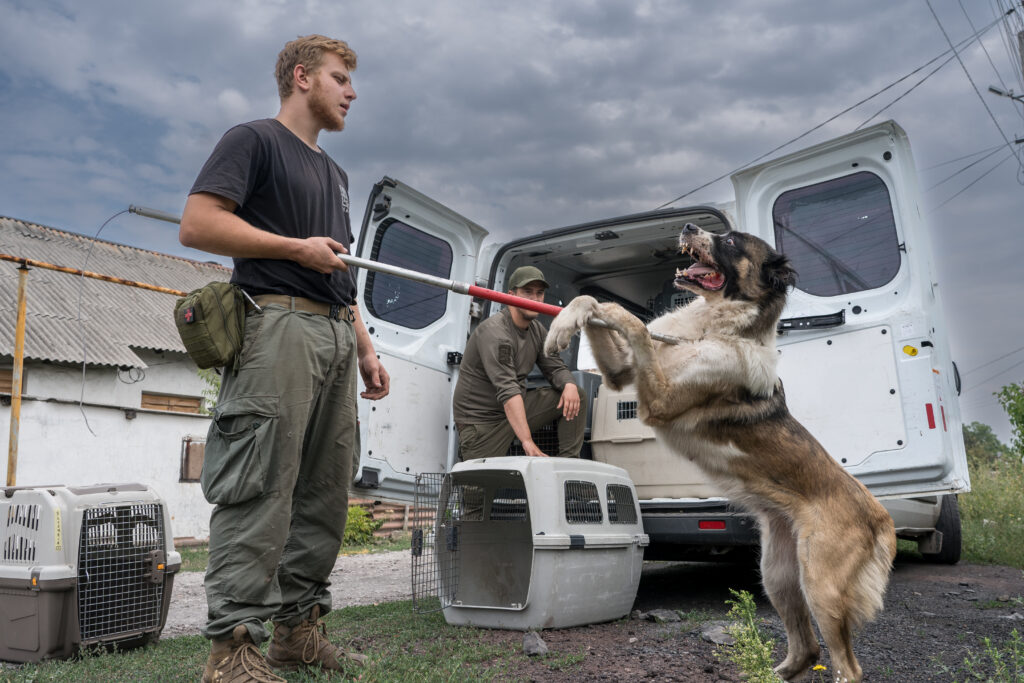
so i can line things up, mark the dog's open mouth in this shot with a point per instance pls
(700, 273)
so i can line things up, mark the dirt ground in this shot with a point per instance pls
(934, 615)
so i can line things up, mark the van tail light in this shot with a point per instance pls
(931, 415)
(711, 525)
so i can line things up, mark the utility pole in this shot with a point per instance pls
(1020, 48)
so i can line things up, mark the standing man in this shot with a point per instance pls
(283, 440)
(491, 403)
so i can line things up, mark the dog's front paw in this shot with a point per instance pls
(572, 318)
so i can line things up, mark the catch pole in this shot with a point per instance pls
(473, 290)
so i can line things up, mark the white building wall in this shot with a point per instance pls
(63, 443)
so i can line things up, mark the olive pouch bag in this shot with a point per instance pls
(210, 322)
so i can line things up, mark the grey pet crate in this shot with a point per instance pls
(82, 566)
(528, 543)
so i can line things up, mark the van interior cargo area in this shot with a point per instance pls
(634, 267)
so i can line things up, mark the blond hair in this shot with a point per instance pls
(308, 51)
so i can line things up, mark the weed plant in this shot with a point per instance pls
(992, 514)
(752, 652)
(995, 664)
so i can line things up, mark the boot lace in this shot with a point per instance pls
(316, 637)
(249, 658)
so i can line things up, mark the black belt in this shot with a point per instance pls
(339, 312)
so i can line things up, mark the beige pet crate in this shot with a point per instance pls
(82, 566)
(618, 437)
(529, 543)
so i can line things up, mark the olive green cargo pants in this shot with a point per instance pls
(278, 464)
(492, 439)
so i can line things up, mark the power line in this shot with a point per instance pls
(967, 73)
(956, 173)
(989, 379)
(982, 43)
(966, 156)
(931, 61)
(975, 181)
(912, 88)
(995, 360)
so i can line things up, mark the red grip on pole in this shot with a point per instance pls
(511, 300)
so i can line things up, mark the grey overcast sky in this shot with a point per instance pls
(532, 115)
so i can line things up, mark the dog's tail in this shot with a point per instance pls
(873, 578)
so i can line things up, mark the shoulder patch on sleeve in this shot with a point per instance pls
(505, 354)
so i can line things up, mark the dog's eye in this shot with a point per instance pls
(730, 241)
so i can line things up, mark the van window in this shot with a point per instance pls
(840, 235)
(400, 301)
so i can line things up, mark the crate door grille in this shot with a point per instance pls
(621, 508)
(582, 503)
(435, 540)
(20, 533)
(118, 547)
(545, 437)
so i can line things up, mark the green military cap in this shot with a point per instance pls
(523, 276)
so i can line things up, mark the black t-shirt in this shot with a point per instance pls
(282, 186)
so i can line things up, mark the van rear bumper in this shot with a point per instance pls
(685, 530)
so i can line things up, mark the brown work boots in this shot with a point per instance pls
(306, 644)
(238, 660)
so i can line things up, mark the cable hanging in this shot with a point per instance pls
(963, 66)
(962, 43)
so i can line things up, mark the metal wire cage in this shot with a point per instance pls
(435, 541)
(545, 436)
(120, 588)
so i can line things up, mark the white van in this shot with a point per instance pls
(863, 342)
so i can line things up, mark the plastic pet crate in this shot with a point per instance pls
(82, 566)
(618, 437)
(529, 543)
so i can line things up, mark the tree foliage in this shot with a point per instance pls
(1011, 398)
(982, 444)
(211, 391)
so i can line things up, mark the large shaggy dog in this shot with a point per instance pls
(826, 544)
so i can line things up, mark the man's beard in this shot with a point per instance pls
(328, 116)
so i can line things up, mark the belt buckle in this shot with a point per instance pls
(335, 313)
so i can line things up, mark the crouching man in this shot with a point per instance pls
(491, 402)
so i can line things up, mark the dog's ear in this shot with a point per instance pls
(779, 273)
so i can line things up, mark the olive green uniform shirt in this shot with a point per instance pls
(494, 367)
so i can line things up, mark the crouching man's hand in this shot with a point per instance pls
(569, 403)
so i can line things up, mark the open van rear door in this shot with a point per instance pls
(417, 330)
(864, 353)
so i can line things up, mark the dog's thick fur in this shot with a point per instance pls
(827, 544)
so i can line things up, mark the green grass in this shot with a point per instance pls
(997, 662)
(402, 646)
(991, 518)
(992, 515)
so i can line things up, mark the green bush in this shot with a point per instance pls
(360, 527)
(992, 514)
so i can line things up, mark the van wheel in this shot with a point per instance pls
(949, 524)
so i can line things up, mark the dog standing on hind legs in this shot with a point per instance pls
(827, 544)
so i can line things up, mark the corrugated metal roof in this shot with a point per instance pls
(69, 317)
